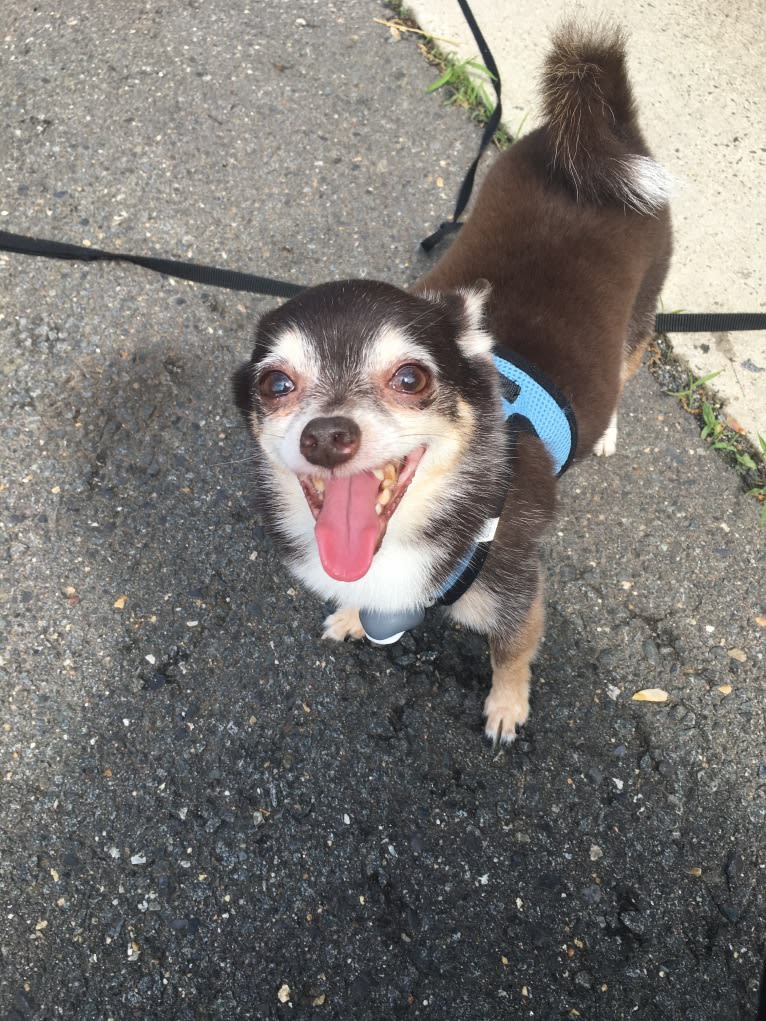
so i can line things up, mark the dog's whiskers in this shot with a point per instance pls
(248, 459)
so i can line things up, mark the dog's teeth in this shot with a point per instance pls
(378, 473)
(378, 509)
(318, 484)
(388, 484)
(383, 497)
(389, 471)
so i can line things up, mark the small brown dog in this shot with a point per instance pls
(408, 443)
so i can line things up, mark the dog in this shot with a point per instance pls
(407, 442)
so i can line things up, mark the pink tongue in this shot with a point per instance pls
(348, 529)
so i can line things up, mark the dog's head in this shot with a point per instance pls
(375, 411)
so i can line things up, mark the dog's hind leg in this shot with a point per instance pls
(507, 705)
(640, 330)
(606, 445)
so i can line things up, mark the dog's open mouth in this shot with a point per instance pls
(352, 513)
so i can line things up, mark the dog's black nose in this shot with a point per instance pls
(330, 441)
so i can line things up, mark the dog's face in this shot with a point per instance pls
(374, 411)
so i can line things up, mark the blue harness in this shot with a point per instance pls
(531, 403)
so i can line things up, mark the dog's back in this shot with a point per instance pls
(572, 230)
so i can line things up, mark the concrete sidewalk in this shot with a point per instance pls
(206, 812)
(699, 78)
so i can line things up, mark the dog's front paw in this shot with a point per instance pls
(342, 624)
(504, 712)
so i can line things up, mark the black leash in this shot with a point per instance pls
(197, 273)
(450, 226)
(214, 276)
(233, 280)
(709, 322)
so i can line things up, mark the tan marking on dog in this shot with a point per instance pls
(507, 705)
(475, 608)
(633, 360)
(434, 481)
(344, 623)
(463, 434)
(253, 423)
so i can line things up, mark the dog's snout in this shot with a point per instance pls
(330, 441)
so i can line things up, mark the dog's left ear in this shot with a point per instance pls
(474, 339)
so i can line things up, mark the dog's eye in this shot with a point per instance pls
(409, 379)
(275, 384)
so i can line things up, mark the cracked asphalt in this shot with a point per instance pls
(205, 811)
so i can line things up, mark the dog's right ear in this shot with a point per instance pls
(474, 339)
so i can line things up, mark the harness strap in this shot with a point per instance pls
(467, 571)
(528, 394)
(531, 403)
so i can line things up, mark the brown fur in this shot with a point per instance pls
(567, 279)
(575, 271)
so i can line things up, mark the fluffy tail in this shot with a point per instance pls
(598, 148)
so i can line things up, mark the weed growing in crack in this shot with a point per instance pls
(722, 433)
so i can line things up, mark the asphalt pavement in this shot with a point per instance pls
(206, 812)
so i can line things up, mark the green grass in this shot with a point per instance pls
(695, 384)
(759, 491)
(467, 83)
(465, 88)
(746, 457)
